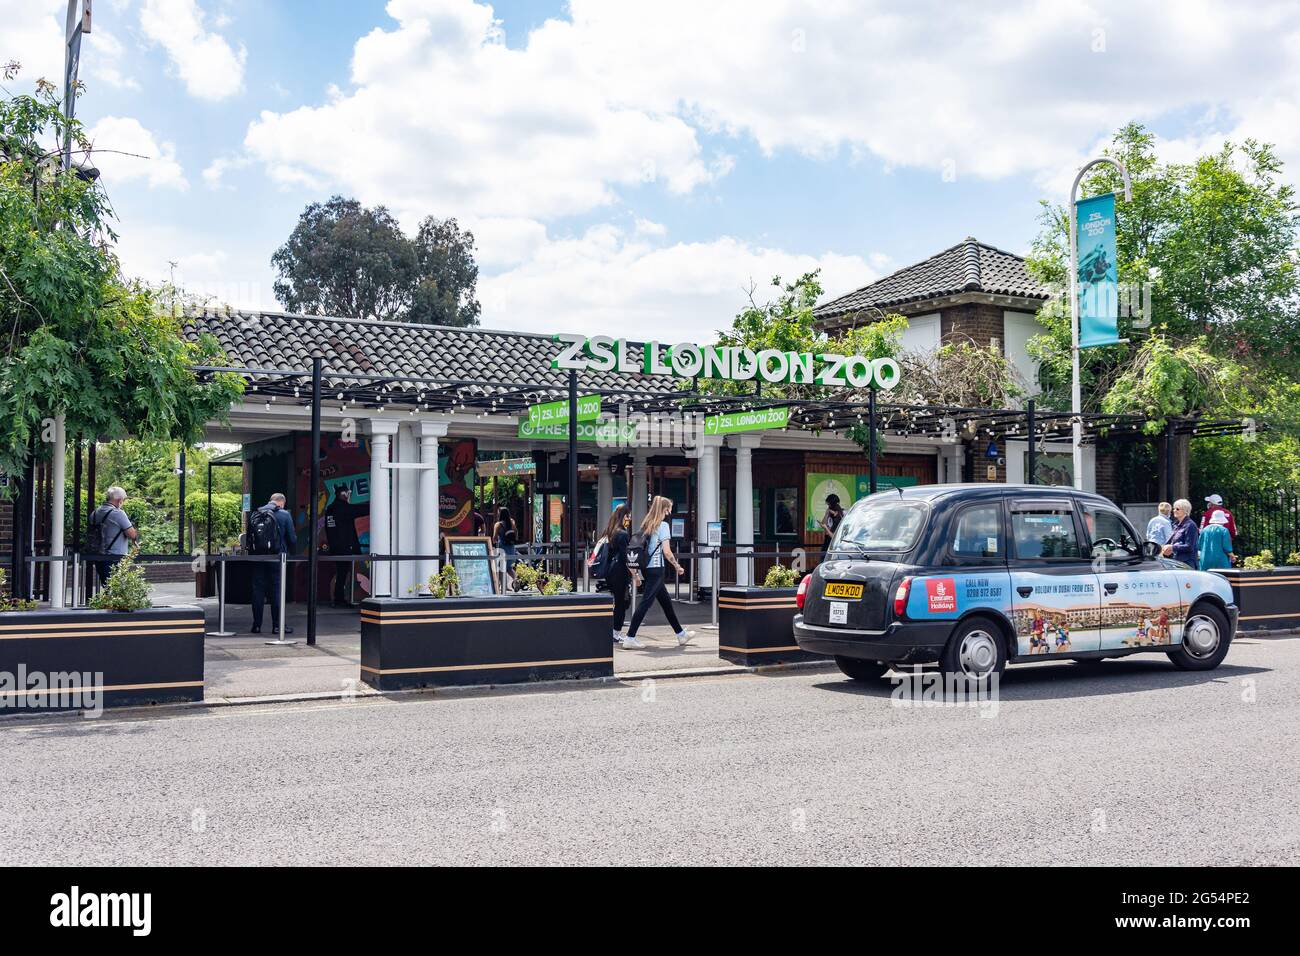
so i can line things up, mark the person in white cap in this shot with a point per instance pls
(1214, 505)
(1215, 544)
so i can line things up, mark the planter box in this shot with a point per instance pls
(440, 642)
(756, 626)
(153, 656)
(1266, 600)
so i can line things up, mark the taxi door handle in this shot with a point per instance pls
(1024, 591)
(1111, 587)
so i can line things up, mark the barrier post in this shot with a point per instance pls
(284, 580)
(76, 579)
(717, 583)
(221, 604)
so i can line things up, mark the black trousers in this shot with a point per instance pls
(266, 587)
(104, 568)
(655, 590)
(618, 587)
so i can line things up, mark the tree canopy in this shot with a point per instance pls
(80, 340)
(348, 260)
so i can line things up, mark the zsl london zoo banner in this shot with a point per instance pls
(1098, 271)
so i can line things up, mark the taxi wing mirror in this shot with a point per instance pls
(1150, 550)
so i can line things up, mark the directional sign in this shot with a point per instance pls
(729, 422)
(557, 413)
(607, 431)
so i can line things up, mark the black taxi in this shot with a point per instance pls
(977, 576)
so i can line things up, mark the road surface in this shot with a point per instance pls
(1139, 764)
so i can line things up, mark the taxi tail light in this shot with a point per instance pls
(900, 596)
(802, 592)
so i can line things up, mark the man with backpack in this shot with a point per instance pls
(109, 533)
(270, 531)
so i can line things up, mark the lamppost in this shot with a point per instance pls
(1076, 391)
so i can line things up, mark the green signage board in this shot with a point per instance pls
(610, 431)
(728, 423)
(557, 413)
(848, 488)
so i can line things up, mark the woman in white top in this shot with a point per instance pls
(659, 546)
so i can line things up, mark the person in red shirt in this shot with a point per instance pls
(1215, 503)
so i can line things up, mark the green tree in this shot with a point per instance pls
(81, 341)
(348, 260)
(446, 275)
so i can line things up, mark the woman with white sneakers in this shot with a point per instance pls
(659, 546)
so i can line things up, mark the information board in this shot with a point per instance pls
(471, 557)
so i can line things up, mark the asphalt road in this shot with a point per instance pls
(1140, 764)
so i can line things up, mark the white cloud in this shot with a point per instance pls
(32, 35)
(124, 151)
(207, 64)
(238, 276)
(606, 281)
(214, 173)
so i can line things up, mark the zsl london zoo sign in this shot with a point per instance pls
(732, 363)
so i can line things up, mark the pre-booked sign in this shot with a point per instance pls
(748, 421)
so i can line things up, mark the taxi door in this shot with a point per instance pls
(1140, 601)
(1054, 591)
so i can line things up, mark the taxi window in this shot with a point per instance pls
(1110, 533)
(1044, 531)
(978, 532)
(881, 523)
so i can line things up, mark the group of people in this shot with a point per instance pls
(656, 539)
(1206, 546)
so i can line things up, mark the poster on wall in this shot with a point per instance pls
(343, 464)
(821, 484)
(883, 482)
(456, 481)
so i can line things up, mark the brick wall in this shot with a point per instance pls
(1108, 474)
(979, 321)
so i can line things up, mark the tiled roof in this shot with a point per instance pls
(969, 266)
(289, 342)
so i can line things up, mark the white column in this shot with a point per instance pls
(405, 508)
(381, 435)
(637, 499)
(58, 571)
(1088, 454)
(427, 532)
(706, 505)
(745, 444)
(604, 493)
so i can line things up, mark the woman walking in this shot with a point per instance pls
(660, 548)
(617, 576)
(504, 540)
(831, 520)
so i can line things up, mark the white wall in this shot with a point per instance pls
(1017, 329)
(922, 333)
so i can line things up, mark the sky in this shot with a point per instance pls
(637, 168)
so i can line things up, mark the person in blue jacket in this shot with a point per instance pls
(1216, 543)
(1181, 545)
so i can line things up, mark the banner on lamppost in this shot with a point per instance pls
(1098, 274)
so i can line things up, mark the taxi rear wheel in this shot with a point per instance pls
(861, 670)
(1206, 639)
(976, 650)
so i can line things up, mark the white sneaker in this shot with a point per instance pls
(632, 642)
(684, 638)
(618, 637)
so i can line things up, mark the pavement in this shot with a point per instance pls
(243, 666)
(1134, 762)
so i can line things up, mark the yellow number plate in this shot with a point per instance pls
(842, 589)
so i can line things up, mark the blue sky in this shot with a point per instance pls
(636, 165)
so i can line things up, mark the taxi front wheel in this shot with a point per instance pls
(1205, 640)
(861, 670)
(975, 651)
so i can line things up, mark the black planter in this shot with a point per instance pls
(439, 642)
(153, 656)
(756, 626)
(1266, 600)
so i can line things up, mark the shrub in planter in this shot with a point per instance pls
(445, 582)
(534, 578)
(125, 590)
(121, 650)
(12, 602)
(1267, 597)
(756, 624)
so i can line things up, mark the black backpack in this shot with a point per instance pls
(95, 540)
(638, 557)
(598, 563)
(263, 532)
